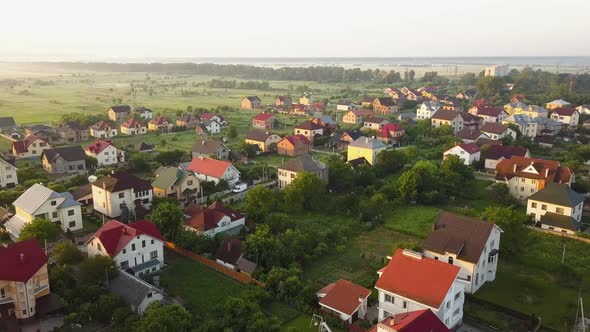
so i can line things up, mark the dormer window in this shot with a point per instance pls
(53, 203)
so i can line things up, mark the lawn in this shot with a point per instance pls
(303, 324)
(414, 220)
(201, 287)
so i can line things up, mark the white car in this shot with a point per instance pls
(240, 187)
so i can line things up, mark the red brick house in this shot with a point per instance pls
(293, 145)
(263, 121)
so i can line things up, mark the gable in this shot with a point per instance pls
(530, 169)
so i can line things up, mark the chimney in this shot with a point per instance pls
(392, 321)
(547, 172)
(367, 140)
(514, 168)
(22, 257)
(104, 185)
(203, 142)
(124, 230)
(360, 299)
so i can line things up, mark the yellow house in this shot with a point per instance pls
(263, 139)
(515, 107)
(365, 147)
(23, 278)
(306, 100)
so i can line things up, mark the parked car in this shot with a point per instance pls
(240, 187)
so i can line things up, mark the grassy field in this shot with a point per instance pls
(414, 220)
(303, 324)
(201, 287)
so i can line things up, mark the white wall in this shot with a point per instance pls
(544, 207)
(133, 257)
(109, 203)
(7, 174)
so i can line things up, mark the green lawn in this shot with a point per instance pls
(201, 287)
(414, 220)
(303, 324)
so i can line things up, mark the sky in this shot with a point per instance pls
(118, 29)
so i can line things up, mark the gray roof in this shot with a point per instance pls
(558, 194)
(34, 197)
(206, 146)
(304, 163)
(367, 142)
(7, 121)
(561, 221)
(167, 176)
(69, 200)
(131, 289)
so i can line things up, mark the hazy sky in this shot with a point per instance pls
(87, 29)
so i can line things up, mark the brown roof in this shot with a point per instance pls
(564, 111)
(121, 108)
(386, 101)
(230, 251)
(308, 125)
(463, 236)
(469, 134)
(548, 170)
(206, 146)
(494, 128)
(118, 181)
(345, 296)
(68, 153)
(445, 115)
(506, 151)
(259, 135)
(374, 119)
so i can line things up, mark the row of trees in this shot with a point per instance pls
(226, 84)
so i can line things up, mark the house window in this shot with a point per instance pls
(152, 241)
(124, 251)
(80, 166)
(534, 205)
(122, 205)
(189, 183)
(99, 247)
(71, 168)
(559, 210)
(450, 260)
(124, 264)
(457, 296)
(72, 224)
(121, 195)
(404, 304)
(149, 295)
(53, 203)
(448, 305)
(71, 212)
(456, 312)
(154, 254)
(389, 298)
(544, 207)
(447, 321)
(143, 244)
(2, 293)
(54, 215)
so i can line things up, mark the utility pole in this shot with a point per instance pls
(563, 255)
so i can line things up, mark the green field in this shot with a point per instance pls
(414, 220)
(201, 287)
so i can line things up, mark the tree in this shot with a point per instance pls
(169, 158)
(140, 162)
(421, 183)
(168, 217)
(39, 229)
(501, 194)
(65, 252)
(232, 132)
(388, 162)
(94, 270)
(489, 86)
(373, 208)
(306, 192)
(91, 162)
(160, 317)
(341, 175)
(106, 306)
(260, 201)
(249, 150)
(455, 174)
(512, 223)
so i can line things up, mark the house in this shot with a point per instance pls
(121, 193)
(345, 105)
(136, 248)
(469, 153)
(496, 70)
(469, 243)
(569, 116)
(527, 126)
(356, 116)
(515, 107)
(231, 255)
(317, 107)
(175, 182)
(44, 132)
(210, 148)
(24, 280)
(293, 145)
(309, 129)
(557, 207)
(374, 123)
(346, 300)
(366, 147)
(449, 118)
(497, 131)
(160, 124)
(492, 114)
(391, 133)
(104, 129)
(466, 95)
(251, 102)
(8, 175)
(306, 99)
(427, 110)
(119, 112)
(288, 171)
(470, 121)
(342, 138)
(327, 122)
(411, 282)
(412, 321)
(83, 195)
(145, 147)
(264, 121)
(468, 135)
(394, 93)
(208, 127)
(133, 127)
(7, 124)
(385, 105)
(450, 103)
(30, 147)
(64, 160)
(72, 132)
(214, 117)
(209, 169)
(534, 111)
(411, 94)
(105, 152)
(557, 104)
(188, 120)
(526, 176)
(144, 113)
(138, 294)
(263, 139)
(283, 101)
(583, 109)
(41, 202)
(213, 219)
(497, 153)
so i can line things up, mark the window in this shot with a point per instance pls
(2, 293)
(72, 224)
(559, 210)
(149, 295)
(389, 298)
(152, 241)
(71, 168)
(521, 188)
(122, 205)
(457, 296)
(9, 176)
(154, 269)
(544, 207)
(99, 247)
(71, 212)
(133, 247)
(121, 195)
(189, 183)
(124, 251)
(53, 203)
(404, 304)
(447, 321)
(54, 215)
(448, 304)
(456, 312)
(124, 264)
(143, 244)
(80, 166)
(450, 260)
(154, 254)
(534, 216)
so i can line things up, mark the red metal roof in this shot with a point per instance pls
(98, 146)
(564, 111)
(297, 139)
(115, 235)
(389, 128)
(413, 321)
(205, 218)
(345, 296)
(208, 166)
(423, 280)
(548, 170)
(132, 123)
(21, 260)
(263, 117)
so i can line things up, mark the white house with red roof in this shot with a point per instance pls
(133, 127)
(344, 299)
(413, 321)
(105, 153)
(213, 117)
(213, 219)
(391, 133)
(209, 169)
(413, 282)
(490, 114)
(469, 153)
(569, 116)
(497, 131)
(104, 129)
(137, 248)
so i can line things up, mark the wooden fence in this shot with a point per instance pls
(241, 277)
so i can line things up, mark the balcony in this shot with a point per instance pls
(39, 289)
(6, 300)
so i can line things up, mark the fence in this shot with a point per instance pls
(241, 277)
(547, 231)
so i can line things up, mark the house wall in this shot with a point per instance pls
(24, 295)
(286, 177)
(538, 209)
(569, 120)
(557, 229)
(33, 150)
(351, 118)
(8, 176)
(107, 133)
(308, 133)
(133, 131)
(456, 123)
(369, 154)
(109, 203)
(286, 148)
(374, 126)
(70, 218)
(522, 188)
(60, 166)
(144, 246)
(156, 297)
(108, 156)
(468, 159)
